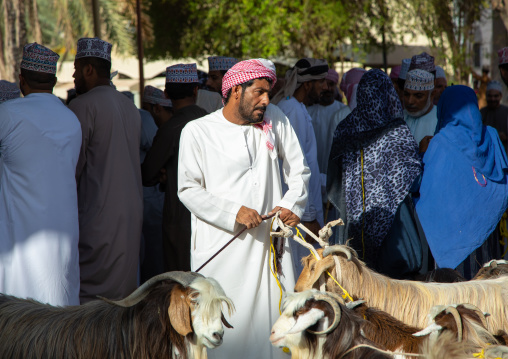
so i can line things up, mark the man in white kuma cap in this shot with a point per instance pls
(495, 114)
(228, 177)
(419, 110)
(108, 175)
(217, 68)
(40, 140)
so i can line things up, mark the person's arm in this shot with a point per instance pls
(219, 211)
(156, 158)
(86, 119)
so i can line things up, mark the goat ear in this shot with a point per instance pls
(225, 322)
(306, 320)
(179, 311)
(321, 266)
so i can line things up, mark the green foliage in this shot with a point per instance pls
(449, 26)
(254, 28)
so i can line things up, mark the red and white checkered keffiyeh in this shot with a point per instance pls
(266, 127)
(248, 70)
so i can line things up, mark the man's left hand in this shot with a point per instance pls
(287, 217)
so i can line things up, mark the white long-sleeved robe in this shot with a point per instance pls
(422, 126)
(40, 140)
(302, 124)
(324, 123)
(223, 166)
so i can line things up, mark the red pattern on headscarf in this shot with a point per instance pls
(245, 71)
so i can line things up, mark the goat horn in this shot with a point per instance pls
(356, 303)
(184, 278)
(453, 311)
(336, 310)
(428, 330)
(478, 312)
(337, 297)
(338, 248)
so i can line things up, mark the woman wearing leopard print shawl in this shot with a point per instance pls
(373, 164)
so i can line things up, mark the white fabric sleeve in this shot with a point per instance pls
(217, 211)
(294, 167)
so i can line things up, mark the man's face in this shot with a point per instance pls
(316, 88)
(504, 75)
(328, 95)
(214, 81)
(79, 78)
(417, 103)
(493, 99)
(254, 100)
(439, 86)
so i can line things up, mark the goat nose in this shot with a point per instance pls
(217, 335)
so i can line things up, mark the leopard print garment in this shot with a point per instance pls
(390, 159)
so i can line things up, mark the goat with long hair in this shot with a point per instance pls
(173, 315)
(408, 301)
(315, 325)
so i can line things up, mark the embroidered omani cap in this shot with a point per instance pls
(440, 74)
(495, 85)
(156, 96)
(423, 61)
(39, 58)
(94, 47)
(182, 73)
(218, 63)
(419, 80)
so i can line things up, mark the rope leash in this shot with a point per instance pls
(264, 217)
(324, 234)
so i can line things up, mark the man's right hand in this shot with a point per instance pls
(424, 143)
(248, 217)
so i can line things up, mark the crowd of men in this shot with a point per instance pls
(97, 195)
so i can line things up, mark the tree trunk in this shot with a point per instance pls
(14, 38)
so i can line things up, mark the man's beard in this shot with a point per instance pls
(314, 96)
(422, 111)
(326, 98)
(248, 115)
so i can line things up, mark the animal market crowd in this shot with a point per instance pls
(98, 196)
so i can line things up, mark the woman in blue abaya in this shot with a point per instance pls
(464, 189)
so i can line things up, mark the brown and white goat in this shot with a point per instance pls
(467, 322)
(173, 315)
(408, 301)
(493, 269)
(315, 325)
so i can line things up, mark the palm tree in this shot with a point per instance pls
(58, 24)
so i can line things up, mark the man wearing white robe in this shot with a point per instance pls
(228, 176)
(324, 123)
(40, 140)
(303, 86)
(420, 113)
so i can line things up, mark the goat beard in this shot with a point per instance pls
(278, 244)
